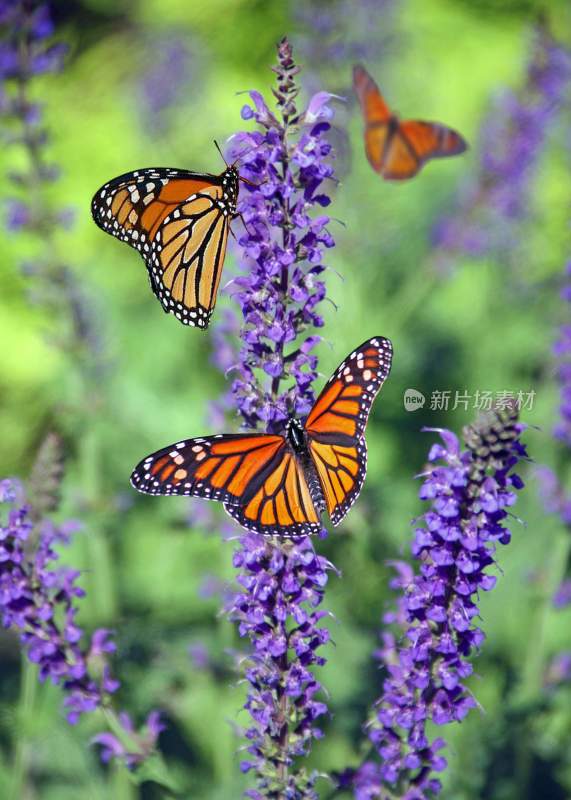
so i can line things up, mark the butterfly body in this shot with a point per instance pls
(179, 222)
(398, 149)
(282, 484)
(298, 441)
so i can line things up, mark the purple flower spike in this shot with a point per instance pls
(164, 84)
(38, 600)
(554, 493)
(282, 582)
(288, 163)
(470, 490)
(513, 138)
(25, 53)
(283, 585)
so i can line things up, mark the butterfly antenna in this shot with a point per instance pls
(221, 153)
(249, 183)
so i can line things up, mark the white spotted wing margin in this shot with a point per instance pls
(192, 467)
(142, 186)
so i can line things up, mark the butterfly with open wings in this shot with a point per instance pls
(281, 484)
(397, 149)
(179, 222)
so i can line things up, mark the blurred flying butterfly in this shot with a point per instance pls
(179, 223)
(281, 485)
(398, 150)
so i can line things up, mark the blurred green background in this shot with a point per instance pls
(487, 324)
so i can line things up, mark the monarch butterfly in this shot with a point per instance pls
(281, 484)
(398, 150)
(179, 223)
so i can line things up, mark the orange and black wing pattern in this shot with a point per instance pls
(256, 476)
(281, 504)
(179, 222)
(336, 424)
(398, 150)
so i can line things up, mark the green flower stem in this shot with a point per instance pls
(535, 662)
(24, 717)
(101, 589)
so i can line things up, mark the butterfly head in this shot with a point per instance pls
(295, 434)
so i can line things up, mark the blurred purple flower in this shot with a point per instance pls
(562, 351)
(512, 140)
(17, 215)
(562, 597)
(559, 670)
(164, 85)
(470, 491)
(25, 53)
(340, 32)
(555, 498)
(129, 746)
(38, 600)
(199, 655)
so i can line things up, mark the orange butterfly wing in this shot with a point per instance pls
(255, 475)
(187, 256)
(429, 140)
(398, 150)
(373, 106)
(336, 424)
(376, 114)
(179, 222)
(281, 504)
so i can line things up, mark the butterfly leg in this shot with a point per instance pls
(250, 233)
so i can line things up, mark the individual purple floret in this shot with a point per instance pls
(562, 597)
(129, 746)
(470, 490)
(283, 243)
(559, 670)
(277, 608)
(512, 141)
(38, 600)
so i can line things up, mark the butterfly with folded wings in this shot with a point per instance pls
(179, 222)
(281, 484)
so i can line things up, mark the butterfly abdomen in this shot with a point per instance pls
(314, 484)
(296, 437)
